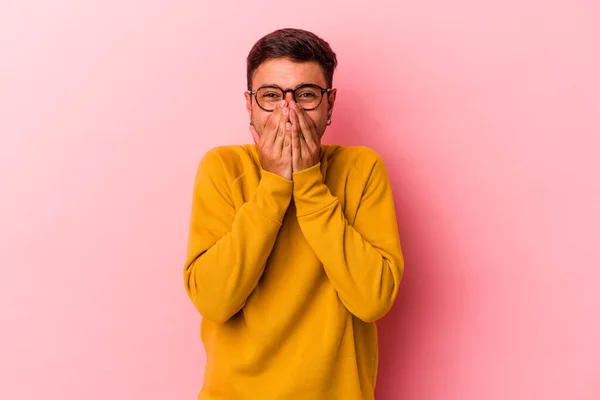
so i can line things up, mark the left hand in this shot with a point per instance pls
(306, 145)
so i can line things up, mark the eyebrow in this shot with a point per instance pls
(273, 85)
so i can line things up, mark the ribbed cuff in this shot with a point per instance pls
(310, 193)
(272, 197)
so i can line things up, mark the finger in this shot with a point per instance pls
(283, 120)
(295, 136)
(295, 145)
(288, 143)
(304, 151)
(306, 126)
(293, 113)
(294, 120)
(255, 135)
(271, 126)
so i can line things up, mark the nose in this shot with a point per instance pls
(289, 96)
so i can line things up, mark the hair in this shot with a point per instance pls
(296, 44)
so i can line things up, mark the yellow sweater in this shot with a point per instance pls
(290, 276)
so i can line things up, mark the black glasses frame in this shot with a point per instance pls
(293, 92)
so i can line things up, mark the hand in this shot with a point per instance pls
(274, 145)
(306, 145)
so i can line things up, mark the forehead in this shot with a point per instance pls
(286, 73)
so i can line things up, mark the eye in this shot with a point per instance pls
(270, 95)
(307, 95)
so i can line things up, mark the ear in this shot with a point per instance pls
(248, 104)
(331, 101)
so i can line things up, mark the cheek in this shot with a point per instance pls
(319, 117)
(259, 119)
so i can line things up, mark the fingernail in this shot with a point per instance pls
(282, 103)
(285, 110)
(288, 126)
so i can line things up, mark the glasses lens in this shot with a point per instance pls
(308, 96)
(268, 98)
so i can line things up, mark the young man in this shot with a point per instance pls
(293, 250)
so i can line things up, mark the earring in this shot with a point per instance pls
(329, 121)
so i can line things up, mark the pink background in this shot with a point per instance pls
(486, 112)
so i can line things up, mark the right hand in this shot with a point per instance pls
(274, 145)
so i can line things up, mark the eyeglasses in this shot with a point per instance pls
(308, 96)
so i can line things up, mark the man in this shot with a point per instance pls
(294, 250)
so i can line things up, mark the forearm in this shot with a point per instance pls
(366, 274)
(365, 277)
(220, 277)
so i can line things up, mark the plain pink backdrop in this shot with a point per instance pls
(486, 112)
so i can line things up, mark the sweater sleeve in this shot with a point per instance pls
(363, 261)
(228, 249)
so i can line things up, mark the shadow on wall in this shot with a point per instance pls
(412, 337)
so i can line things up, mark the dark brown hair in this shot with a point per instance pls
(296, 44)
